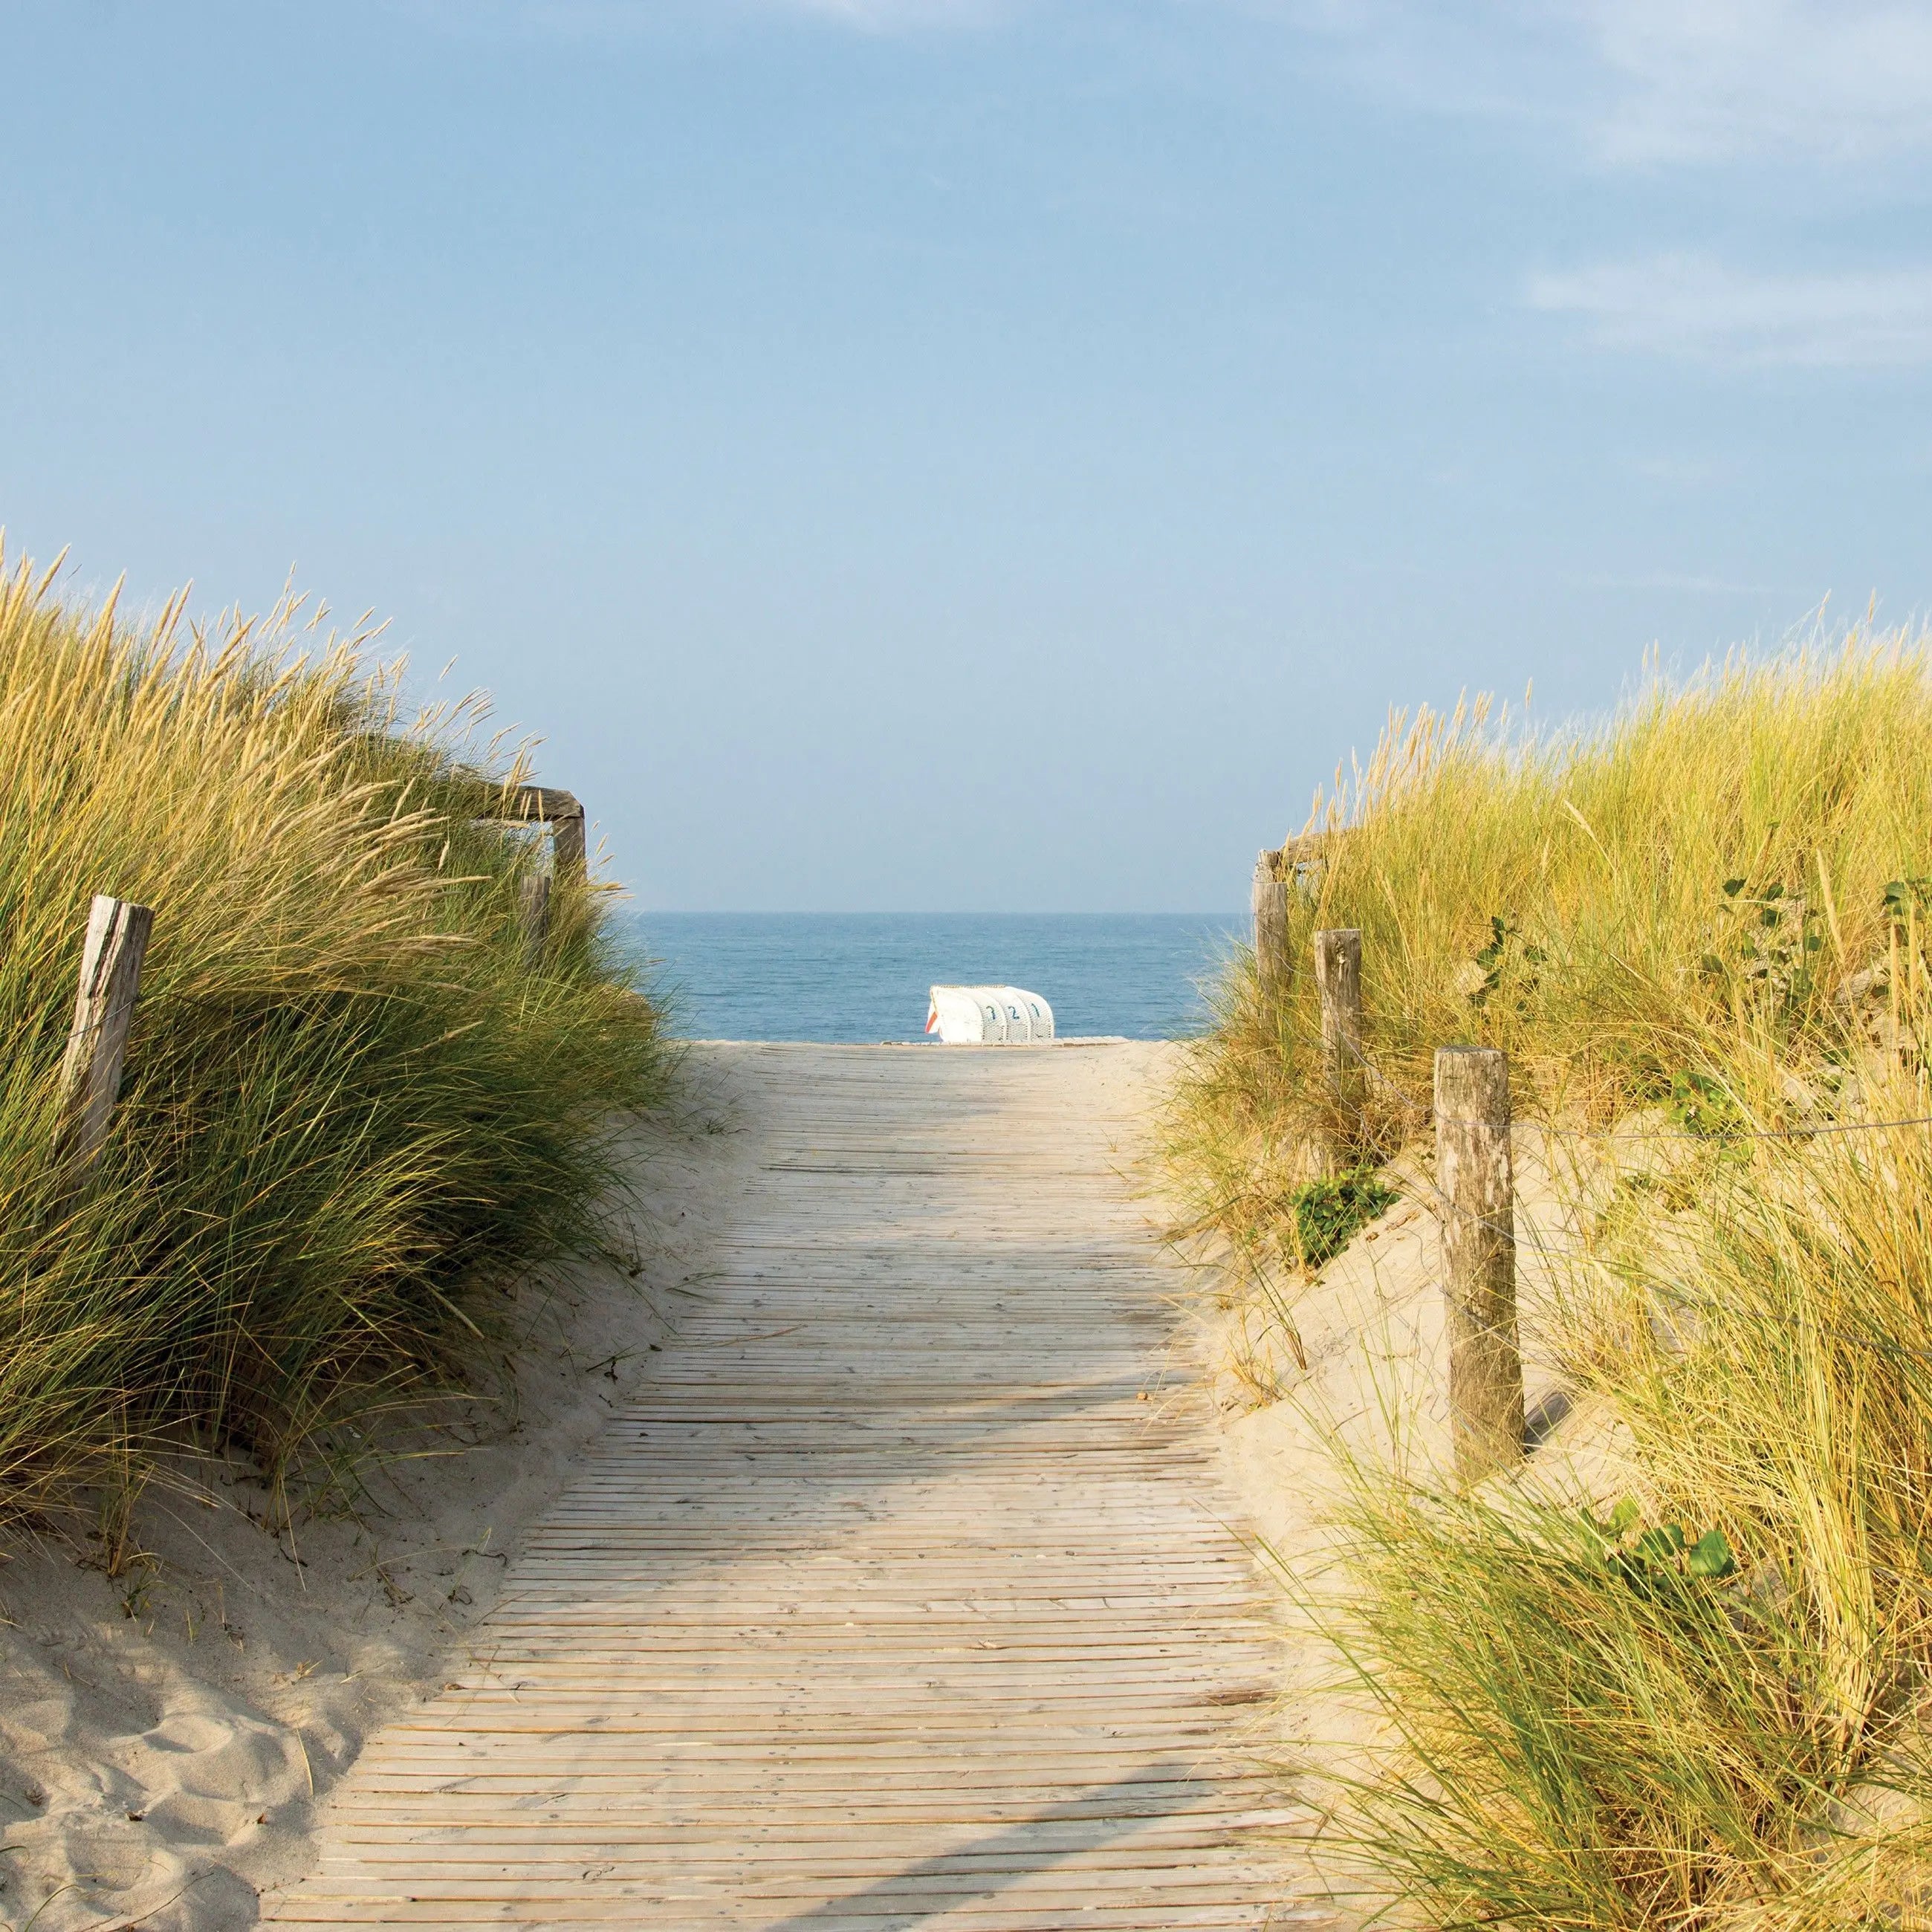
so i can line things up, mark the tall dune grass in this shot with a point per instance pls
(1704, 920)
(1565, 898)
(352, 1113)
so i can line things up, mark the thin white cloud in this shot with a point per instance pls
(1638, 82)
(1688, 584)
(1650, 82)
(1692, 306)
(1680, 470)
(1702, 80)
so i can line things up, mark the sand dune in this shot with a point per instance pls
(164, 1736)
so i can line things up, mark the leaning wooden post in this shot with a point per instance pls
(1338, 974)
(110, 974)
(1472, 1169)
(533, 911)
(1271, 909)
(566, 833)
(562, 811)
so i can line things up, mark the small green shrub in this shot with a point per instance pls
(1329, 1214)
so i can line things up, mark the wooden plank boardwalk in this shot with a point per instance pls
(900, 1598)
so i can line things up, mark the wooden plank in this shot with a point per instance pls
(533, 913)
(905, 1594)
(1338, 979)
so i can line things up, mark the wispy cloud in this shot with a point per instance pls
(1646, 82)
(1686, 469)
(1689, 584)
(1699, 79)
(1636, 81)
(1692, 307)
(1633, 82)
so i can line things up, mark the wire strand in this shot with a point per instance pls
(1613, 1137)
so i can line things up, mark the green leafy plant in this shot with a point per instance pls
(1701, 1104)
(1329, 1214)
(1495, 960)
(1641, 1555)
(1905, 900)
(1769, 945)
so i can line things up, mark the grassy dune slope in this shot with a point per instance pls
(352, 1111)
(1704, 924)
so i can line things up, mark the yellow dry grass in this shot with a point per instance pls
(1704, 921)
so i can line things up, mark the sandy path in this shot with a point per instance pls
(901, 1595)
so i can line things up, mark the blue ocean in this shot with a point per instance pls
(863, 976)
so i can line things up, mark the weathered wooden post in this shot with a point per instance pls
(563, 813)
(1472, 1169)
(1270, 910)
(1338, 974)
(90, 1075)
(533, 911)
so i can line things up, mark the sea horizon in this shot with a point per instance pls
(852, 978)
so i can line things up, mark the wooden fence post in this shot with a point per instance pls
(562, 811)
(110, 974)
(1338, 974)
(1300, 863)
(1473, 1171)
(567, 843)
(533, 910)
(1269, 899)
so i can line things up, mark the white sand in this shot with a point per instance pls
(164, 1737)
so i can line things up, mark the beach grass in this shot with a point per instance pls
(1694, 1694)
(354, 1112)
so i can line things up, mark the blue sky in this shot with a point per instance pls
(921, 454)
